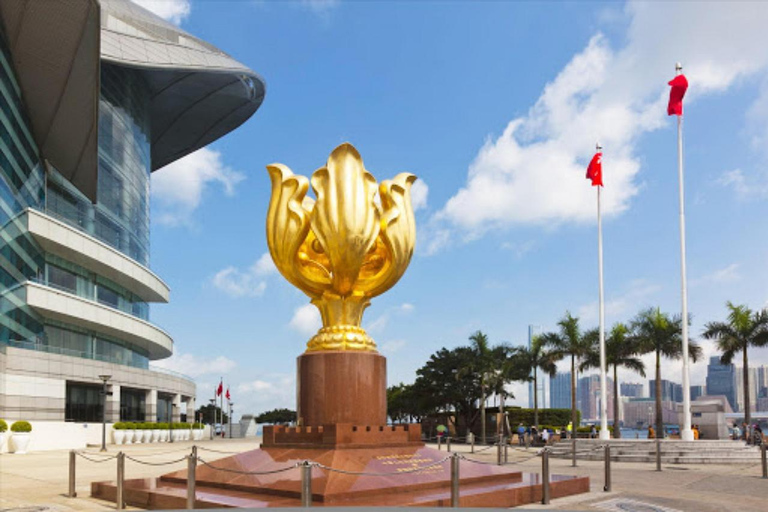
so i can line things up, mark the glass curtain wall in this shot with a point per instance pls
(83, 403)
(22, 185)
(120, 218)
(132, 404)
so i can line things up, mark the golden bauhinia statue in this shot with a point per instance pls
(344, 247)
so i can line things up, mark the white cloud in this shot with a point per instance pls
(270, 391)
(306, 320)
(639, 295)
(519, 249)
(380, 323)
(320, 6)
(390, 347)
(245, 283)
(194, 366)
(419, 193)
(752, 187)
(174, 11)
(728, 274)
(533, 173)
(179, 186)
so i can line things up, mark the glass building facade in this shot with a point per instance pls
(119, 218)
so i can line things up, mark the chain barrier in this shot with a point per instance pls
(105, 459)
(519, 461)
(363, 473)
(165, 463)
(217, 451)
(162, 453)
(239, 472)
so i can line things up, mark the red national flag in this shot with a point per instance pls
(227, 395)
(220, 388)
(679, 86)
(595, 170)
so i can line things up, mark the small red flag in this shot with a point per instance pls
(220, 388)
(227, 395)
(595, 170)
(679, 86)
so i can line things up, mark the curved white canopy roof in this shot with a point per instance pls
(199, 93)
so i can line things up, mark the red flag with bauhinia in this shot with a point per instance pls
(220, 388)
(679, 86)
(595, 170)
(227, 395)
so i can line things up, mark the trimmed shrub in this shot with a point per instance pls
(546, 416)
(118, 426)
(3, 426)
(21, 427)
(198, 426)
(129, 425)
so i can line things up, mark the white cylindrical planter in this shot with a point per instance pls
(118, 435)
(19, 442)
(128, 436)
(156, 438)
(147, 436)
(197, 434)
(2, 440)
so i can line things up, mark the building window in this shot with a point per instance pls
(83, 403)
(164, 408)
(132, 404)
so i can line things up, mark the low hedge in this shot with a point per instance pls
(21, 427)
(3, 426)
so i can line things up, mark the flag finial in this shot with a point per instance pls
(678, 68)
(598, 147)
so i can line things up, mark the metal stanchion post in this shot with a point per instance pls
(499, 459)
(545, 476)
(455, 480)
(658, 455)
(607, 487)
(506, 450)
(73, 492)
(573, 445)
(191, 483)
(306, 484)
(439, 442)
(194, 451)
(765, 460)
(448, 444)
(471, 442)
(120, 498)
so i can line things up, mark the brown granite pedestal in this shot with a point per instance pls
(357, 466)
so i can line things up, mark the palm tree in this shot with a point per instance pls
(620, 351)
(568, 342)
(529, 362)
(654, 331)
(743, 328)
(507, 368)
(482, 366)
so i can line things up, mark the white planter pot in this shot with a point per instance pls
(197, 434)
(2, 440)
(118, 436)
(187, 435)
(128, 436)
(19, 442)
(147, 436)
(156, 435)
(175, 435)
(137, 436)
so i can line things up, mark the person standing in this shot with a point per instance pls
(521, 434)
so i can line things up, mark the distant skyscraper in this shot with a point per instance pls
(588, 397)
(670, 391)
(696, 392)
(560, 391)
(739, 389)
(631, 389)
(542, 380)
(721, 380)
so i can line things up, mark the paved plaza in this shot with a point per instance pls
(38, 481)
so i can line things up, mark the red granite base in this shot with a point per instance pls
(481, 485)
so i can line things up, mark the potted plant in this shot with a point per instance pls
(187, 431)
(130, 432)
(165, 432)
(156, 435)
(20, 436)
(197, 431)
(3, 428)
(147, 432)
(118, 432)
(175, 432)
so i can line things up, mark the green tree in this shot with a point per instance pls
(482, 365)
(408, 402)
(658, 333)
(277, 417)
(621, 351)
(207, 412)
(448, 386)
(528, 363)
(568, 341)
(507, 368)
(744, 328)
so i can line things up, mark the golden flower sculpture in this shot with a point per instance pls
(343, 248)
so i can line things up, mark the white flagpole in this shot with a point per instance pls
(604, 433)
(686, 434)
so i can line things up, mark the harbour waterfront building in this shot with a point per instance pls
(94, 97)
(670, 391)
(721, 380)
(697, 391)
(631, 389)
(754, 389)
(560, 391)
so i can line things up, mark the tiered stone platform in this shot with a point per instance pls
(357, 466)
(673, 451)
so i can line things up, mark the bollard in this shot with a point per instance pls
(455, 480)
(194, 451)
(506, 451)
(545, 477)
(191, 476)
(471, 442)
(72, 491)
(439, 442)
(573, 444)
(448, 444)
(499, 448)
(607, 486)
(765, 460)
(120, 498)
(306, 484)
(658, 455)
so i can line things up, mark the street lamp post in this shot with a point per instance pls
(213, 423)
(170, 422)
(230, 419)
(104, 380)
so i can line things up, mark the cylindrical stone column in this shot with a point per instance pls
(341, 387)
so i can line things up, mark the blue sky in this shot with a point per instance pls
(496, 107)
